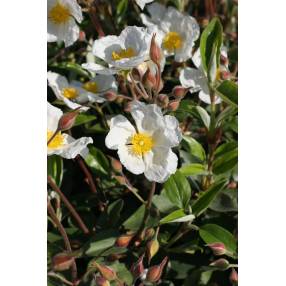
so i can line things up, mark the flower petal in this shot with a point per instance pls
(120, 132)
(53, 117)
(93, 67)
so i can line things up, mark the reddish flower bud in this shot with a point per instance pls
(120, 179)
(233, 277)
(116, 165)
(101, 281)
(62, 261)
(152, 248)
(179, 91)
(223, 60)
(155, 51)
(221, 264)
(137, 268)
(162, 100)
(110, 95)
(155, 272)
(81, 37)
(106, 271)
(149, 80)
(217, 248)
(225, 75)
(124, 240)
(67, 120)
(174, 105)
(232, 185)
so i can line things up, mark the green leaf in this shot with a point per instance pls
(228, 91)
(178, 190)
(162, 202)
(196, 149)
(226, 157)
(177, 216)
(73, 67)
(225, 201)
(193, 169)
(203, 115)
(114, 210)
(55, 168)
(210, 45)
(135, 220)
(202, 203)
(211, 233)
(97, 161)
(103, 240)
(84, 118)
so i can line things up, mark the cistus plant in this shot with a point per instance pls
(142, 142)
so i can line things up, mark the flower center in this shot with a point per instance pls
(172, 41)
(123, 54)
(141, 143)
(70, 92)
(59, 14)
(90, 86)
(58, 140)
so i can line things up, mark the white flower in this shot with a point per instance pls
(61, 21)
(122, 52)
(177, 31)
(142, 3)
(197, 79)
(146, 148)
(63, 144)
(75, 93)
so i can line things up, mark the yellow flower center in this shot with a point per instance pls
(123, 54)
(90, 86)
(57, 141)
(70, 92)
(59, 14)
(141, 143)
(172, 41)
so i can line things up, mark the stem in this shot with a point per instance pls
(64, 236)
(55, 275)
(68, 205)
(147, 208)
(53, 136)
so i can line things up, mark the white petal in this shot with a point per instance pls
(130, 161)
(120, 132)
(102, 48)
(172, 131)
(72, 148)
(156, 12)
(142, 3)
(197, 60)
(71, 33)
(54, 114)
(160, 164)
(93, 67)
(190, 77)
(74, 8)
(148, 118)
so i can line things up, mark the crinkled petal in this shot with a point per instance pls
(121, 130)
(160, 163)
(74, 8)
(205, 97)
(142, 3)
(190, 77)
(130, 161)
(53, 117)
(93, 67)
(157, 12)
(72, 148)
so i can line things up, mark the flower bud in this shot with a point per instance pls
(162, 100)
(233, 277)
(179, 91)
(221, 264)
(217, 248)
(174, 105)
(101, 281)
(152, 248)
(67, 120)
(223, 60)
(62, 261)
(137, 268)
(81, 37)
(232, 185)
(149, 80)
(124, 240)
(155, 272)
(110, 95)
(107, 272)
(116, 165)
(155, 51)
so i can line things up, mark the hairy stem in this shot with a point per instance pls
(68, 205)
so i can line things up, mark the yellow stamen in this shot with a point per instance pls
(58, 140)
(172, 41)
(59, 14)
(141, 143)
(70, 92)
(123, 54)
(90, 86)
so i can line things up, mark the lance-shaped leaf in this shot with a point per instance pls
(228, 91)
(177, 216)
